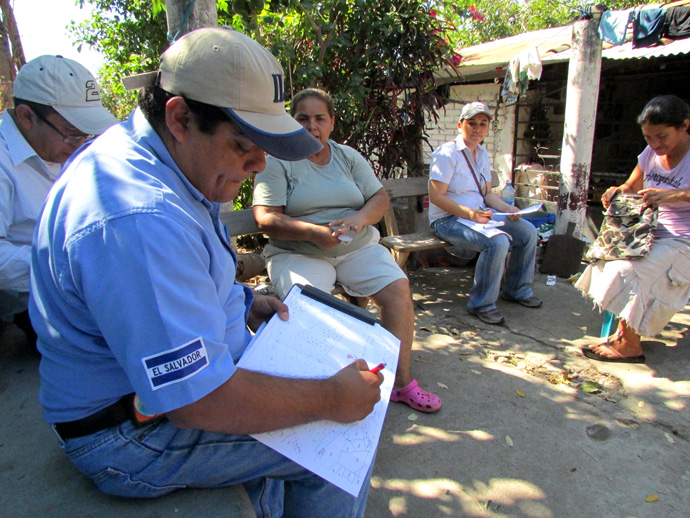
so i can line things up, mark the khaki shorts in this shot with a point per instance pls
(362, 273)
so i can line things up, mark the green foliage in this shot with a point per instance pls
(130, 37)
(377, 60)
(488, 20)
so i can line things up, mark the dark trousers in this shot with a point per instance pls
(22, 321)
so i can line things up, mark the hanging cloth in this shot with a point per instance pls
(614, 26)
(647, 27)
(522, 68)
(677, 24)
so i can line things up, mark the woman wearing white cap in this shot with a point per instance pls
(319, 214)
(460, 196)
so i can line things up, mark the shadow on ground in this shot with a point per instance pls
(529, 428)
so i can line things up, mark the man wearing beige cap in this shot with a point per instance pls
(57, 108)
(135, 303)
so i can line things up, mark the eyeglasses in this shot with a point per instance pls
(73, 140)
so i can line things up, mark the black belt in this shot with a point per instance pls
(115, 414)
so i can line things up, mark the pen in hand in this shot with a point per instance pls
(378, 368)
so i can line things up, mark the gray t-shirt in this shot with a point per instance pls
(318, 194)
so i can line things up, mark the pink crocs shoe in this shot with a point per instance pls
(417, 398)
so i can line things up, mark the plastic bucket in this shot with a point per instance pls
(540, 217)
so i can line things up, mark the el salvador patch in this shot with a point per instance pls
(177, 364)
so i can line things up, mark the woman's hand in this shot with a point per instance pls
(512, 209)
(608, 196)
(352, 223)
(323, 237)
(481, 215)
(656, 197)
(263, 308)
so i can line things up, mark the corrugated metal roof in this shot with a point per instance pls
(488, 60)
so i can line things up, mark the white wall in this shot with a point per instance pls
(499, 142)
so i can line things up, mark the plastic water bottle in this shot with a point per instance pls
(508, 193)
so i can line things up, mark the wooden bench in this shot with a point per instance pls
(402, 245)
(241, 222)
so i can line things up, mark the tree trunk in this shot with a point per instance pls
(6, 70)
(202, 14)
(11, 53)
(13, 32)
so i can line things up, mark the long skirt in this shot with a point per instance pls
(645, 292)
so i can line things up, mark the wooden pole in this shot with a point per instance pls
(203, 14)
(582, 94)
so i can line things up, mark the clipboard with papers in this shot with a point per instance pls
(323, 335)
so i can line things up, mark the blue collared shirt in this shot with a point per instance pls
(133, 282)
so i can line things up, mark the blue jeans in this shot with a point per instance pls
(155, 459)
(492, 257)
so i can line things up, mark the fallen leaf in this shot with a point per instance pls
(476, 372)
(669, 438)
(652, 498)
(520, 393)
(591, 387)
(425, 329)
(442, 385)
(412, 417)
(466, 353)
(509, 441)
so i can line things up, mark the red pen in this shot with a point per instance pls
(378, 368)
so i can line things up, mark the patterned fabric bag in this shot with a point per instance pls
(627, 230)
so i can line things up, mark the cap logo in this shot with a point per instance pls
(278, 88)
(92, 93)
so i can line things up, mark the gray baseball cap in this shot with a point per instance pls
(475, 108)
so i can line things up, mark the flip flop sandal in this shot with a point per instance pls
(616, 358)
(416, 398)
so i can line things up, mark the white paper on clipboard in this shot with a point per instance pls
(316, 342)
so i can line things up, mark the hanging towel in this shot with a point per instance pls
(677, 24)
(530, 63)
(614, 25)
(647, 27)
(522, 68)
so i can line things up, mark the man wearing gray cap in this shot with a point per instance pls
(134, 297)
(57, 108)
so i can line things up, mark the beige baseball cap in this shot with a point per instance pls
(69, 88)
(475, 108)
(224, 68)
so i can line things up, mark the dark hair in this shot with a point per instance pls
(41, 109)
(665, 109)
(322, 95)
(152, 100)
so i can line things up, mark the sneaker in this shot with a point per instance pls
(492, 316)
(528, 302)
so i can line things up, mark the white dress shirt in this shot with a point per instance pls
(25, 180)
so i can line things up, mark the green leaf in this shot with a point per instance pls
(591, 387)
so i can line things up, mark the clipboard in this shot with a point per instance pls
(335, 302)
(323, 335)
